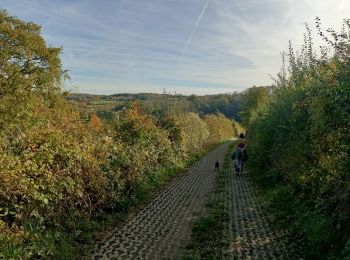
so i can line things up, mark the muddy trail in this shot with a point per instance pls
(162, 228)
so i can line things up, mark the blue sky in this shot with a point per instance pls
(187, 46)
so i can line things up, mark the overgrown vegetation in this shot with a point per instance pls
(207, 240)
(59, 171)
(299, 144)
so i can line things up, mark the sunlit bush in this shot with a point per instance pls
(226, 130)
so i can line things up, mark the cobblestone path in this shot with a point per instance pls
(250, 232)
(163, 227)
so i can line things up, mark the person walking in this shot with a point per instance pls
(240, 155)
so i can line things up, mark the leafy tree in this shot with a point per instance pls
(253, 98)
(220, 128)
(29, 69)
(95, 123)
(195, 132)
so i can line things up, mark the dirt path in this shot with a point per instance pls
(250, 232)
(162, 228)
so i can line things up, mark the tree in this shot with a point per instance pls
(253, 98)
(220, 128)
(28, 67)
(95, 123)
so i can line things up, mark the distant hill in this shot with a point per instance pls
(104, 105)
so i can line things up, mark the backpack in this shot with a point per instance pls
(240, 154)
(233, 155)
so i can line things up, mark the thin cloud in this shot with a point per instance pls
(109, 47)
(204, 9)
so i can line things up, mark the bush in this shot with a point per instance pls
(226, 131)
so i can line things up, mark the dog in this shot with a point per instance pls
(217, 165)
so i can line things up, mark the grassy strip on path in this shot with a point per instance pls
(208, 241)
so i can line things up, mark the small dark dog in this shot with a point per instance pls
(217, 165)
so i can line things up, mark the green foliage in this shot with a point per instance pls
(29, 69)
(253, 99)
(299, 140)
(226, 131)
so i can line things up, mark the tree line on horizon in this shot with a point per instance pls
(106, 105)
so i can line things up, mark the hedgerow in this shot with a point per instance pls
(300, 143)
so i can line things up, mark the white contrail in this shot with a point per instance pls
(193, 31)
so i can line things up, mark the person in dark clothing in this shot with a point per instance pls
(240, 155)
